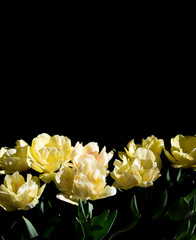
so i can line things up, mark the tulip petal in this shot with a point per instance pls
(170, 157)
(153, 144)
(6, 202)
(47, 177)
(106, 192)
(91, 148)
(64, 198)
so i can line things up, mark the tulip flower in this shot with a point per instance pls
(48, 153)
(183, 152)
(14, 159)
(85, 177)
(140, 165)
(18, 194)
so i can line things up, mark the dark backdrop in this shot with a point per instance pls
(94, 105)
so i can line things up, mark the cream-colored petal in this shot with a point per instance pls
(182, 158)
(145, 154)
(40, 141)
(64, 198)
(159, 162)
(83, 188)
(153, 144)
(47, 177)
(91, 148)
(30, 205)
(76, 151)
(103, 158)
(131, 147)
(105, 192)
(21, 143)
(35, 165)
(193, 154)
(64, 179)
(131, 181)
(2, 151)
(175, 143)
(13, 182)
(187, 143)
(122, 155)
(128, 153)
(149, 174)
(170, 157)
(61, 143)
(40, 190)
(6, 202)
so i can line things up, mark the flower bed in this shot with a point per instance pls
(51, 189)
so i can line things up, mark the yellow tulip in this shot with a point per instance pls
(183, 151)
(140, 165)
(14, 159)
(85, 177)
(16, 194)
(91, 148)
(48, 153)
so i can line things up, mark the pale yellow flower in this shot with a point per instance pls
(183, 151)
(48, 153)
(140, 165)
(85, 177)
(14, 159)
(91, 148)
(16, 194)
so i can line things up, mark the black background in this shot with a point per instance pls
(110, 104)
(106, 76)
(106, 81)
(109, 88)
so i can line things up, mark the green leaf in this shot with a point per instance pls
(49, 204)
(194, 203)
(126, 228)
(31, 230)
(42, 207)
(193, 225)
(179, 175)
(101, 225)
(187, 230)
(135, 218)
(79, 230)
(120, 190)
(14, 223)
(22, 237)
(168, 175)
(179, 210)
(183, 232)
(89, 210)
(134, 206)
(161, 206)
(46, 233)
(81, 212)
(85, 210)
(95, 228)
(190, 195)
(193, 237)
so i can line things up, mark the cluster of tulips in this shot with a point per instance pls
(80, 172)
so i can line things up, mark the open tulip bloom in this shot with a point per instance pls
(55, 186)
